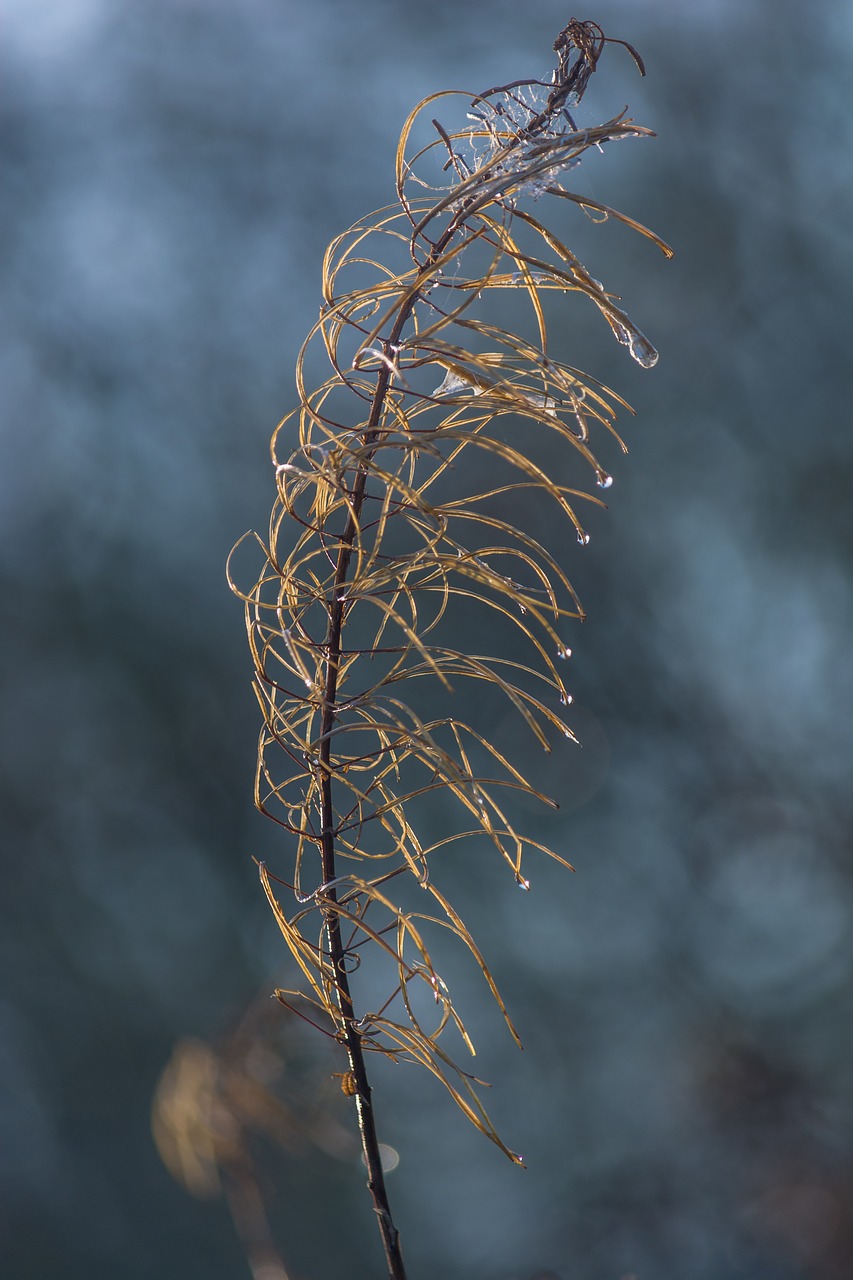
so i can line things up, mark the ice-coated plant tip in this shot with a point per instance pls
(397, 558)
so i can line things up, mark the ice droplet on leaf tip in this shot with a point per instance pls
(643, 351)
(604, 481)
(636, 342)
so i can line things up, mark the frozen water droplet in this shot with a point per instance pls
(565, 652)
(604, 481)
(583, 539)
(522, 883)
(637, 343)
(566, 699)
(450, 384)
(521, 607)
(642, 350)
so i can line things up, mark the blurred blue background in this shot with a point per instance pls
(172, 171)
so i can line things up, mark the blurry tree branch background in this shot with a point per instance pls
(172, 172)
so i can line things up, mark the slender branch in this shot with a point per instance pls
(337, 950)
(364, 1104)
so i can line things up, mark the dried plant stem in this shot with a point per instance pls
(364, 1103)
(418, 554)
(366, 1120)
(352, 1038)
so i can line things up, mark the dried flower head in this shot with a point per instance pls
(395, 531)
